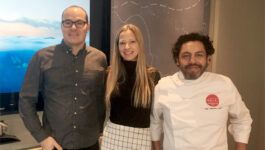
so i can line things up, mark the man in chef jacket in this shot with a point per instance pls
(195, 105)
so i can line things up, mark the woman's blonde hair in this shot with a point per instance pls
(143, 85)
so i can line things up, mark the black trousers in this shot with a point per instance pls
(93, 147)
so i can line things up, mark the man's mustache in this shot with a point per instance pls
(193, 65)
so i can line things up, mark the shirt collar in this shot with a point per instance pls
(179, 78)
(68, 50)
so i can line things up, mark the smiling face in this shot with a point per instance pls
(193, 60)
(73, 36)
(128, 46)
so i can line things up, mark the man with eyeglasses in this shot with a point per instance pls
(70, 77)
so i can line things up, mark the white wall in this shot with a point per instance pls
(237, 28)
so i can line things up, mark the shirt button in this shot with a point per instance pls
(76, 70)
(75, 113)
(75, 98)
(75, 84)
(74, 126)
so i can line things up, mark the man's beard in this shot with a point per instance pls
(193, 75)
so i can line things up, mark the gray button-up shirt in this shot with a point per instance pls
(73, 91)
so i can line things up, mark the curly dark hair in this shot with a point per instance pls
(192, 37)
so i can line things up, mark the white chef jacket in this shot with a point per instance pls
(195, 113)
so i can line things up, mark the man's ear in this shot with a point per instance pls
(177, 63)
(209, 59)
(88, 27)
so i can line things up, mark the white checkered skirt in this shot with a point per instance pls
(119, 137)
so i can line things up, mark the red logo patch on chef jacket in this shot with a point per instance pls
(212, 100)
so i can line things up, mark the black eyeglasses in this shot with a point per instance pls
(69, 23)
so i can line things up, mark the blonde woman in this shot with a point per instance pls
(129, 92)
